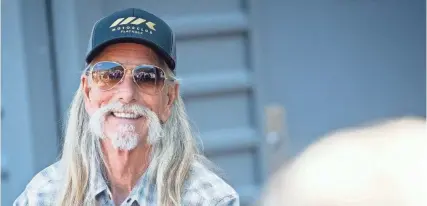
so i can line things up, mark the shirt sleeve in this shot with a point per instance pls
(22, 199)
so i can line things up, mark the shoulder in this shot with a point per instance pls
(41, 188)
(205, 187)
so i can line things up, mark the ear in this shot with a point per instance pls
(86, 93)
(172, 95)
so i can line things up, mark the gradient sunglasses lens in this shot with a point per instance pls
(106, 75)
(150, 79)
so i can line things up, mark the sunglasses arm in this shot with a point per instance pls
(87, 70)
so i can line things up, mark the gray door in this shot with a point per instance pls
(216, 50)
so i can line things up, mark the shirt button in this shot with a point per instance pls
(128, 200)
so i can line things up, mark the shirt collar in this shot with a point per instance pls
(143, 191)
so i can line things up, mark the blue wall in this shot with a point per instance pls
(340, 63)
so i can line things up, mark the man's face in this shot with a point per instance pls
(126, 127)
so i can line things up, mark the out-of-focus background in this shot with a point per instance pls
(262, 79)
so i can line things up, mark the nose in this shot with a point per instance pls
(126, 91)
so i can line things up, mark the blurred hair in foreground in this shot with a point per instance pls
(382, 164)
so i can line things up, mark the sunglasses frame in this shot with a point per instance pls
(168, 78)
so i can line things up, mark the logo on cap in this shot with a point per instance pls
(133, 25)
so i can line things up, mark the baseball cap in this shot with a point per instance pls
(135, 26)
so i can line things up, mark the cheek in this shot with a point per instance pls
(99, 98)
(151, 102)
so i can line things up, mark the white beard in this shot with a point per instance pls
(125, 138)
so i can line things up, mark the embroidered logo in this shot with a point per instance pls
(133, 25)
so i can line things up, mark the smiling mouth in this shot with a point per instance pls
(126, 115)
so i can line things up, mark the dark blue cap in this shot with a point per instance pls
(136, 26)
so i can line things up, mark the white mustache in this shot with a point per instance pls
(154, 127)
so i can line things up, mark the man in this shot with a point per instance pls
(128, 140)
(381, 165)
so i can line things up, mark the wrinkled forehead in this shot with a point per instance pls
(128, 53)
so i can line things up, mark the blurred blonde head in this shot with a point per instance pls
(379, 165)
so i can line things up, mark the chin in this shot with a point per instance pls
(125, 136)
(125, 142)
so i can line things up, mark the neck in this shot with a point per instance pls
(124, 168)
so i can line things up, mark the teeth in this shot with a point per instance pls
(126, 115)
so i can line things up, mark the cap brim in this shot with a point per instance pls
(96, 50)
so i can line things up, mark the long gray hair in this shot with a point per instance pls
(169, 165)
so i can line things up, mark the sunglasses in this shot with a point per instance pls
(106, 75)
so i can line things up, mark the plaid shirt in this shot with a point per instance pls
(202, 188)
